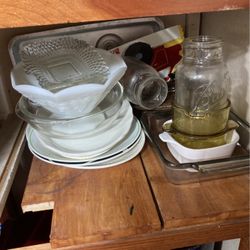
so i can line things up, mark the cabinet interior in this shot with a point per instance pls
(231, 26)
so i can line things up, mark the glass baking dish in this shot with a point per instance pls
(177, 173)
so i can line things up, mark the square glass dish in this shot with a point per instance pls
(180, 173)
(58, 63)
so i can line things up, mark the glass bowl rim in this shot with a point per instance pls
(26, 115)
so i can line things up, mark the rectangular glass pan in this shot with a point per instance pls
(105, 35)
(178, 173)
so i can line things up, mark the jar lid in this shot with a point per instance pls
(203, 49)
(203, 42)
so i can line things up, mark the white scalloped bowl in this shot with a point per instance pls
(72, 101)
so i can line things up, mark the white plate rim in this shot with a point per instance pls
(125, 121)
(55, 157)
(130, 154)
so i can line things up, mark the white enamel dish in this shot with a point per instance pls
(187, 155)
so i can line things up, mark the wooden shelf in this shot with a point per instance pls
(37, 12)
(110, 203)
(134, 205)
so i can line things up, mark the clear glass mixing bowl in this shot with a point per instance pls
(47, 123)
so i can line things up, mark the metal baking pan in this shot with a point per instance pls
(105, 35)
(178, 173)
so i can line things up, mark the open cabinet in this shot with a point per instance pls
(133, 206)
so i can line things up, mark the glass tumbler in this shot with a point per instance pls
(143, 85)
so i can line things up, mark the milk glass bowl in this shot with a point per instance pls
(72, 101)
(46, 123)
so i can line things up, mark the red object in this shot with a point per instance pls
(166, 57)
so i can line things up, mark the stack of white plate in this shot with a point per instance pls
(74, 104)
(124, 150)
(109, 136)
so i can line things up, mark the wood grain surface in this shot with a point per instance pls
(244, 243)
(93, 205)
(44, 182)
(45, 246)
(113, 208)
(37, 12)
(214, 201)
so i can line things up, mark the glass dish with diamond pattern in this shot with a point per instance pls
(59, 63)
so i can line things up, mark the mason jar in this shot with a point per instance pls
(201, 105)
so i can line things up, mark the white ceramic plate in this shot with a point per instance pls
(91, 146)
(36, 146)
(92, 163)
(124, 156)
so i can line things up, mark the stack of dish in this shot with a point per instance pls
(74, 105)
(108, 136)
